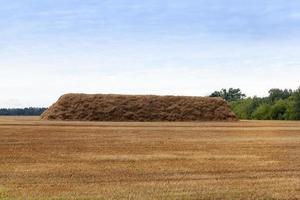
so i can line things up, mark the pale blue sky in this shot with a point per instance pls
(190, 47)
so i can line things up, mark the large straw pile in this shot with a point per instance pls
(99, 107)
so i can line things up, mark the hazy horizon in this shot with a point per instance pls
(161, 47)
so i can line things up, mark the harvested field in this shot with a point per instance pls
(100, 160)
(99, 107)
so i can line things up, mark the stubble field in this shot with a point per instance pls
(217, 160)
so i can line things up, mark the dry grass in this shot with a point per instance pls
(75, 160)
(142, 108)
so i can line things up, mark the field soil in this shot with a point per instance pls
(93, 160)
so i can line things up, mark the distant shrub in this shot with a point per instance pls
(279, 105)
(22, 111)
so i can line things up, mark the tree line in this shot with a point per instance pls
(280, 104)
(22, 111)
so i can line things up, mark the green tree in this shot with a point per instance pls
(278, 110)
(263, 112)
(289, 113)
(279, 105)
(229, 95)
(278, 94)
(242, 108)
(296, 98)
(245, 108)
